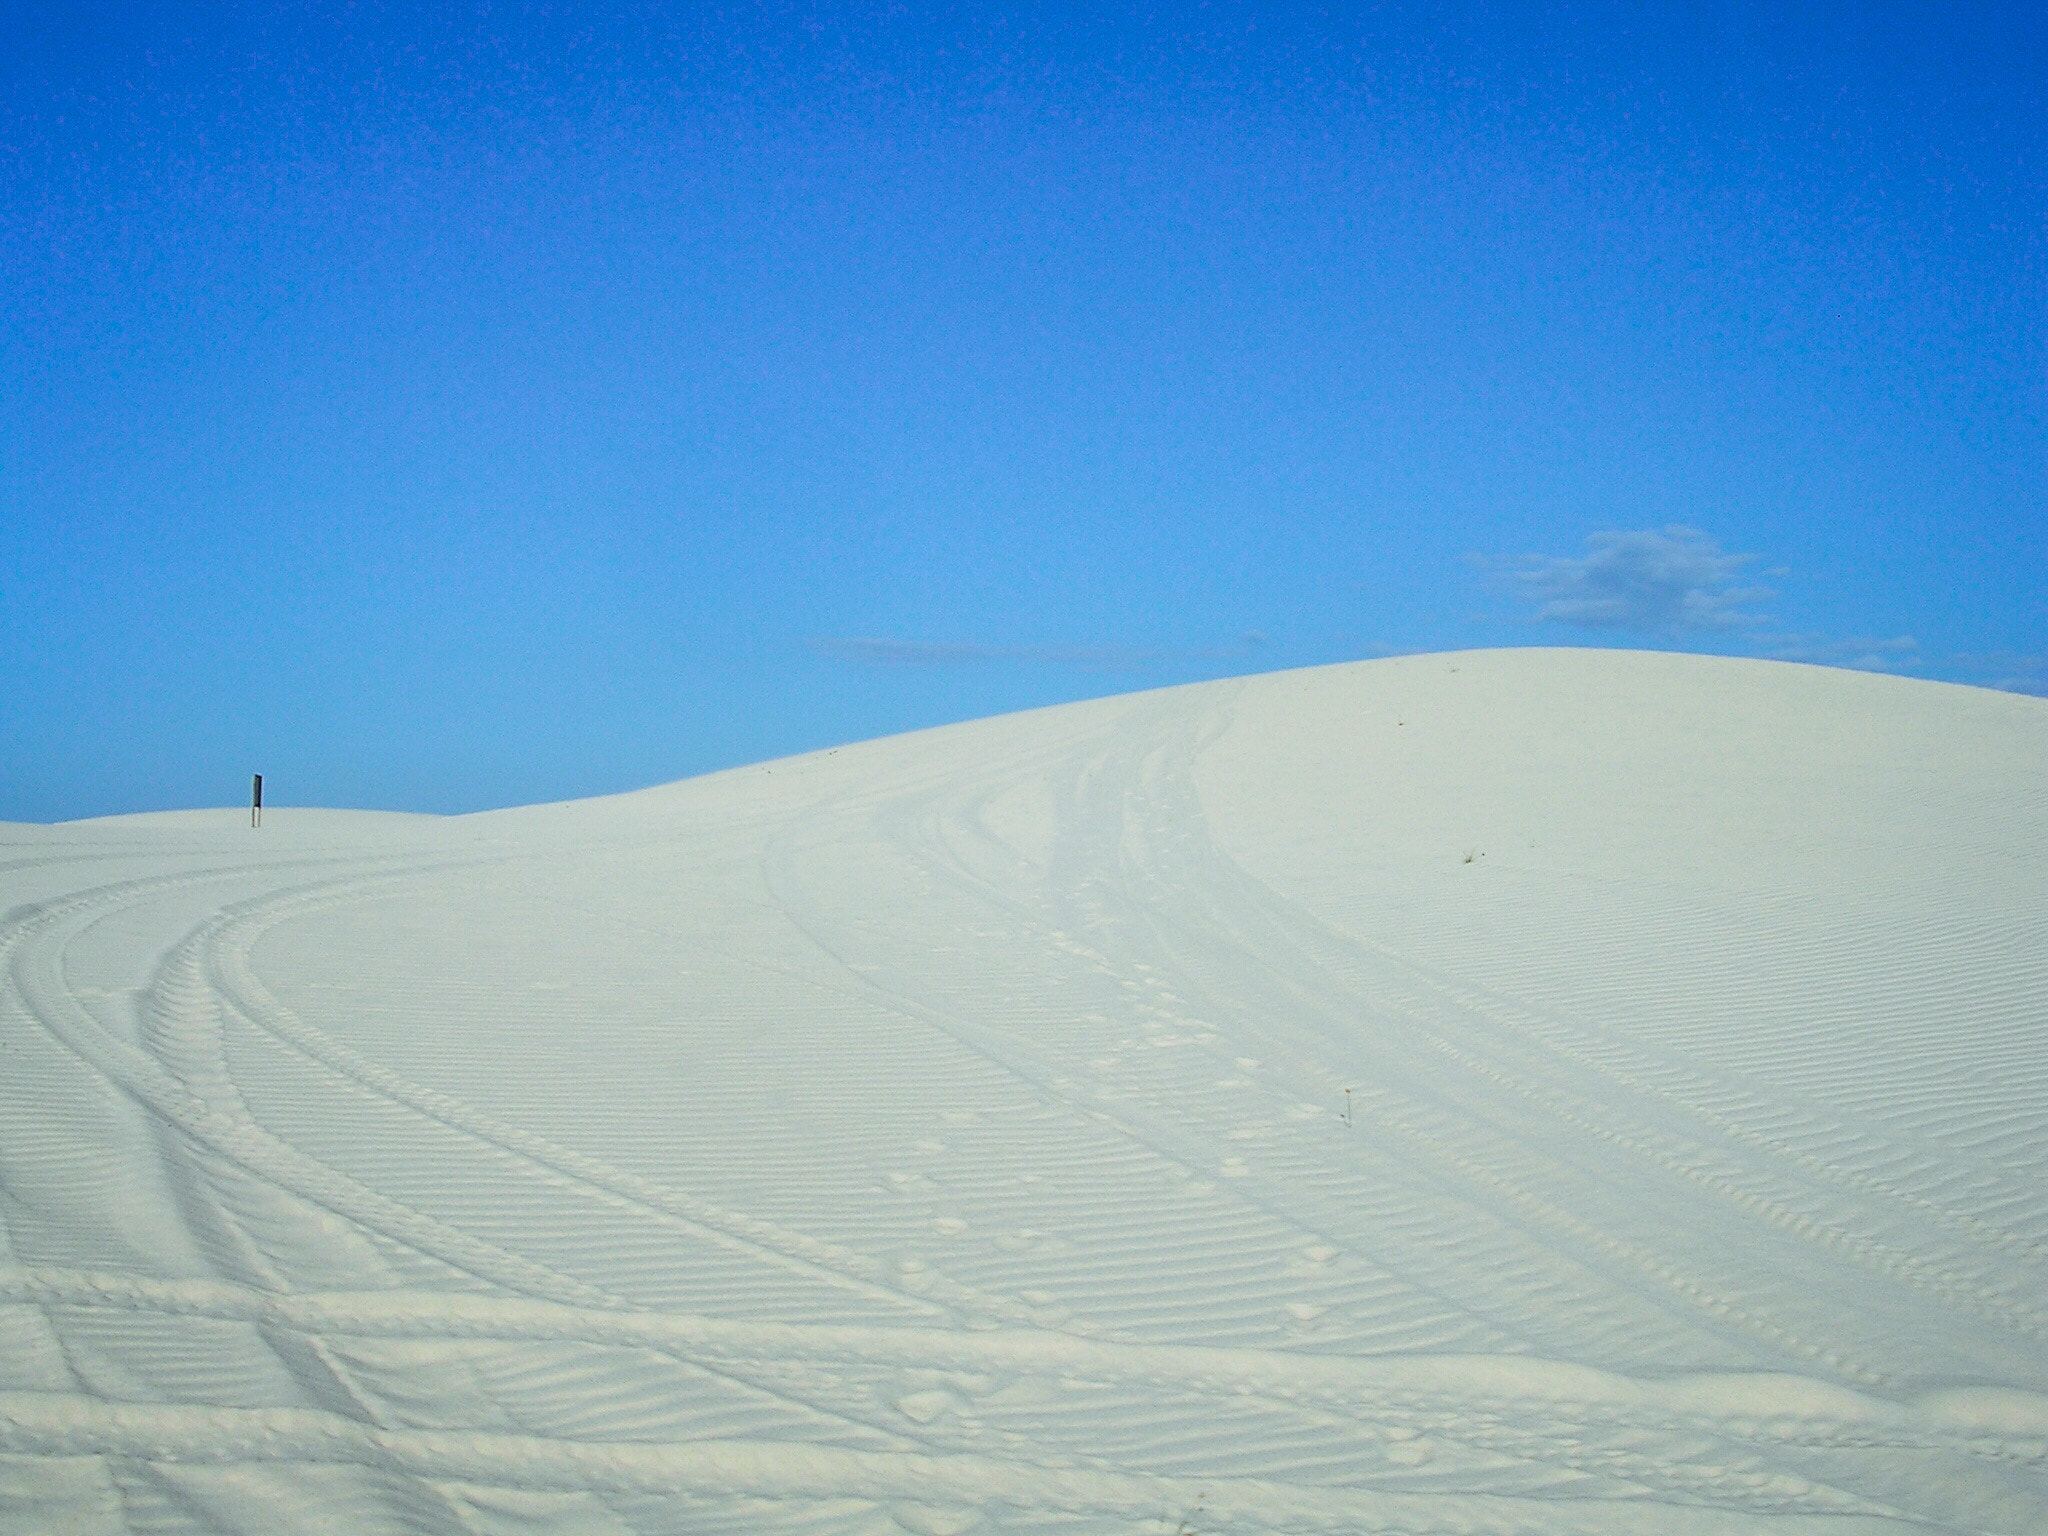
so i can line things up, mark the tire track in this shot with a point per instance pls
(52, 1425)
(1155, 776)
(1757, 1408)
(224, 1128)
(1175, 804)
(1309, 935)
(226, 951)
(37, 977)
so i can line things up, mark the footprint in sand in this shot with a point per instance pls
(1313, 1259)
(1406, 1452)
(1046, 1310)
(924, 1407)
(929, 1520)
(913, 1275)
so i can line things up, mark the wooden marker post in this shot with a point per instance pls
(256, 801)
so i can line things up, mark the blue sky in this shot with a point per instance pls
(512, 403)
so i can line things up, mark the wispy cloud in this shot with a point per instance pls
(1650, 580)
(886, 651)
(1675, 581)
(1901, 653)
(2012, 671)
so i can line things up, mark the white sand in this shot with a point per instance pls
(950, 1133)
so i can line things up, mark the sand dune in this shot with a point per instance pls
(1531, 1091)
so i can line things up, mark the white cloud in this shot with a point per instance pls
(1898, 654)
(1660, 581)
(884, 651)
(2012, 671)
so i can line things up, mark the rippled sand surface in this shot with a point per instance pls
(1534, 1091)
